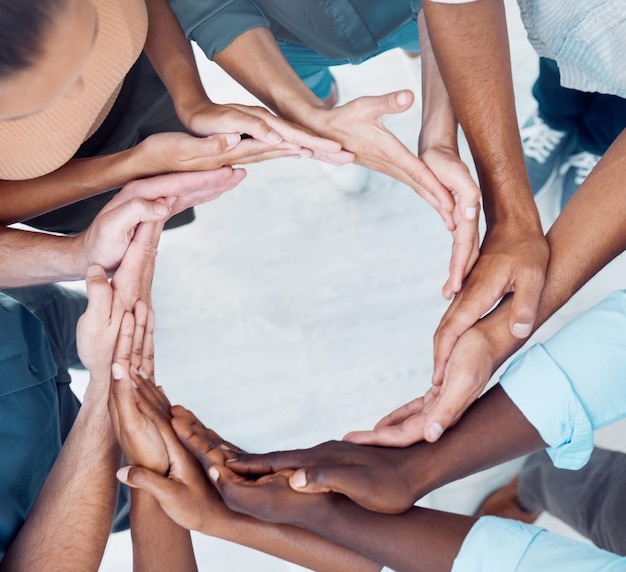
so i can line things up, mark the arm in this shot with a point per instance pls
(175, 63)
(68, 526)
(471, 47)
(29, 258)
(158, 542)
(255, 61)
(438, 148)
(189, 498)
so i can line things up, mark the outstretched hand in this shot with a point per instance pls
(426, 418)
(358, 126)
(265, 128)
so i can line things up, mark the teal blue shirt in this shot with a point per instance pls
(29, 415)
(337, 29)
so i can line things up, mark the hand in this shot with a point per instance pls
(98, 327)
(132, 385)
(186, 494)
(208, 118)
(454, 175)
(512, 260)
(467, 372)
(181, 152)
(269, 498)
(374, 477)
(358, 126)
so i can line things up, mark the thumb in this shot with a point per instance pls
(395, 102)
(344, 479)
(147, 480)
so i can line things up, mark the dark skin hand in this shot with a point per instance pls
(390, 480)
(419, 539)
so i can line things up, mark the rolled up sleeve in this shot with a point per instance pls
(575, 383)
(500, 545)
(213, 24)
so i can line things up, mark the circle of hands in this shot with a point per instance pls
(190, 469)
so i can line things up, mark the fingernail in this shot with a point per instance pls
(232, 139)
(470, 213)
(143, 374)
(402, 98)
(214, 474)
(170, 202)
(521, 330)
(117, 371)
(122, 474)
(225, 447)
(233, 460)
(436, 430)
(274, 137)
(298, 480)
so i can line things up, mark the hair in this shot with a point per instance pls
(23, 26)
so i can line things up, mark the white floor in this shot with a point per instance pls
(291, 312)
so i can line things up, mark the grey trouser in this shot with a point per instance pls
(591, 500)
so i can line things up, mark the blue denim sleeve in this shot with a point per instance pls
(215, 24)
(575, 382)
(500, 545)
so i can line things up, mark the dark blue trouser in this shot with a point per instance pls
(598, 118)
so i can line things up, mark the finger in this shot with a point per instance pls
(141, 318)
(401, 413)
(123, 347)
(410, 431)
(99, 296)
(162, 488)
(466, 309)
(202, 448)
(525, 304)
(146, 369)
(446, 411)
(251, 464)
(464, 249)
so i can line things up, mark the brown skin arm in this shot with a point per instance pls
(471, 47)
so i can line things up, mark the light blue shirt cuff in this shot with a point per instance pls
(501, 545)
(542, 392)
(575, 382)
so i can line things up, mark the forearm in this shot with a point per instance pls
(158, 542)
(587, 235)
(492, 431)
(417, 540)
(255, 61)
(76, 180)
(439, 124)
(471, 46)
(290, 543)
(30, 258)
(68, 526)
(172, 57)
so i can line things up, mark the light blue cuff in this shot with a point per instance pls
(501, 545)
(494, 545)
(543, 393)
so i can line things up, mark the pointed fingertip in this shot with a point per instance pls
(214, 474)
(298, 480)
(122, 474)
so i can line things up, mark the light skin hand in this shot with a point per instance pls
(510, 262)
(426, 418)
(358, 126)
(208, 118)
(132, 371)
(454, 175)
